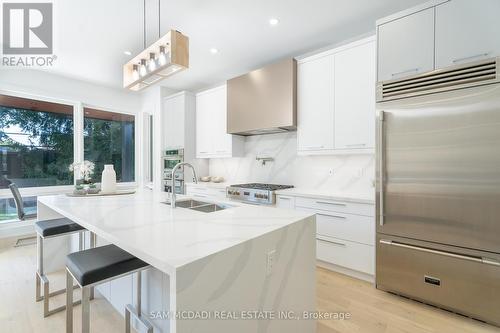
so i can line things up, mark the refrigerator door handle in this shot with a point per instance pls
(381, 167)
(480, 260)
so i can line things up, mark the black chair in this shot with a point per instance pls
(98, 265)
(48, 229)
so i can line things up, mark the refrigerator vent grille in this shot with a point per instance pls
(477, 73)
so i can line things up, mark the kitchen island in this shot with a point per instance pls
(243, 269)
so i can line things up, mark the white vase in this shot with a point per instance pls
(108, 180)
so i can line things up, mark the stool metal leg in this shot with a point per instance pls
(69, 303)
(92, 245)
(39, 267)
(42, 281)
(85, 309)
(135, 312)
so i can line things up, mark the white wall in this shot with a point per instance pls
(350, 173)
(46, 84)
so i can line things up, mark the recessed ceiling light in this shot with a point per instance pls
(274, 21)
(127, 53)
(213, 50)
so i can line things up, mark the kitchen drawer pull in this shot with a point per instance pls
(330, 203)
(335, 216)
(356, 145)
(285, 198)
(480, 260)
(330, 241)
(406, 72)
(471, 57)
(203, 152)
(315, 147)
(221, 151)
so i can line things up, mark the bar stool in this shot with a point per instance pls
(99, 265)
(44, 230)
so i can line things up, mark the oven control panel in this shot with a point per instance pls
(250, 195)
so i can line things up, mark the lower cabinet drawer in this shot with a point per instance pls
(336, 206)
(355, 256)
(198, 192)
(350, 227)
(455, 279)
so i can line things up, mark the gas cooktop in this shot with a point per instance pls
(255, 192)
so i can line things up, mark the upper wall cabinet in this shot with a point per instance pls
(212, 140)
(467, 31)
(175, 108)
(354, 124)
(435, 35)
(406, 45)
(315, 87)
(336, 100)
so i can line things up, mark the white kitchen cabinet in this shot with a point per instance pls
(467, 31)
(315, 88)
(285, 201)
(212, 140)
(336, 100)
(345, 232)
(175, 108)
(354, 120)
(406, 45)
(203, 191)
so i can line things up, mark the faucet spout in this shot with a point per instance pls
(177, 166)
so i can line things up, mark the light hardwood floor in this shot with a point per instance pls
(371, 310)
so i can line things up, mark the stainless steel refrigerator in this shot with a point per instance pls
(438, 188)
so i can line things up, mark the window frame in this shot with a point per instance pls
(78, 119)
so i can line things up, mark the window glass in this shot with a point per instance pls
(109, 139)
(8, 208)
(36, 142)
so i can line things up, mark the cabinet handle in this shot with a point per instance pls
(330, 203)
(471, 57)
(335, 216)
(381, 167)
(406, 72)
(356, 145)
(284, 198)
(481, 260)
(315, 147)
(330, 241)
(221, 151)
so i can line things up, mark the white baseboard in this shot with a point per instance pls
(346, 271)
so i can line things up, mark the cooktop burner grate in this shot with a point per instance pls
(260, 186)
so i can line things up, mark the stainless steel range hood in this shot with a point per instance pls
(263, 101)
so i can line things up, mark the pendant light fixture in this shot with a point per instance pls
(165, 57)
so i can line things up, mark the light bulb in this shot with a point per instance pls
(143, 70)
(135, 72)
(152, 62)
(162, 59)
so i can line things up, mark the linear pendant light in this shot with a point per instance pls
(165, 57)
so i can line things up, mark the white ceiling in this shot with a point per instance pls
(91, 35)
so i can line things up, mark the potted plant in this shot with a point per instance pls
(83, 172)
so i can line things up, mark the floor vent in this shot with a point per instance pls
(456, 77)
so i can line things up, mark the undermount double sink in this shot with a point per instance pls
(200, 206)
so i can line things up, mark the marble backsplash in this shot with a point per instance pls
(345, 173)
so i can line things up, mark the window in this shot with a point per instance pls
(8, 211)
(109, 139)
(36, 143)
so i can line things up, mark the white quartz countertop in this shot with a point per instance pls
(164, 237)
(367, 198)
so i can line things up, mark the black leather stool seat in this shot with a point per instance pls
(55, 227)
(100, 263)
